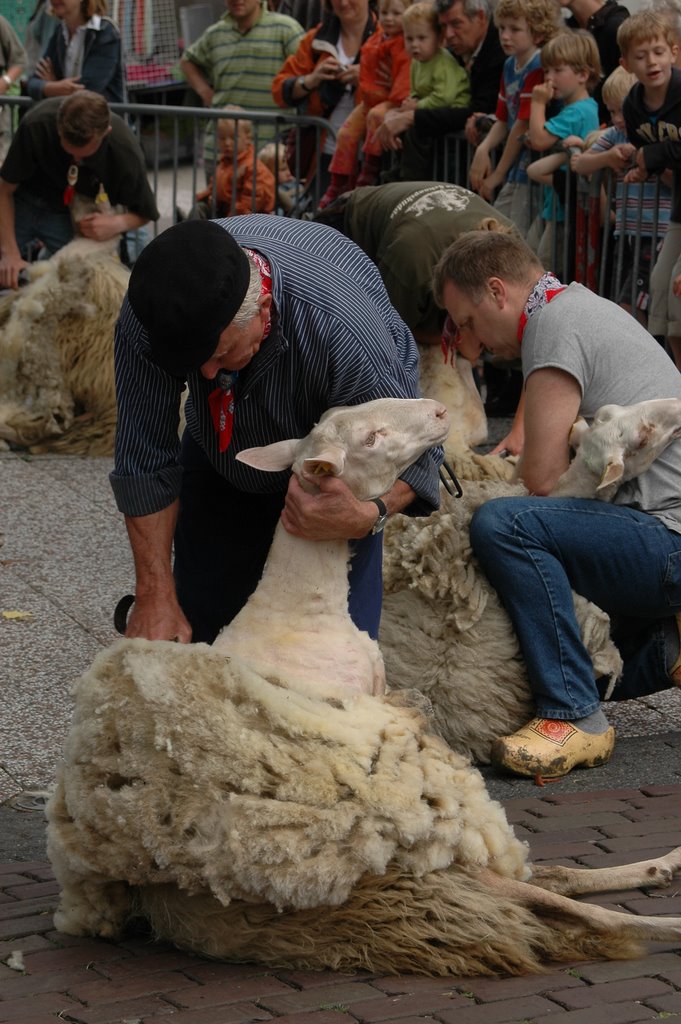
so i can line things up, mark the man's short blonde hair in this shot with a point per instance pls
(644, 27)
(543, 17)
(616, 86)
(475, 256)
(577, 49)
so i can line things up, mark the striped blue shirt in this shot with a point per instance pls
(335, 340)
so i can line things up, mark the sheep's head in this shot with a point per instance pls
(622, 442)
(367, 445)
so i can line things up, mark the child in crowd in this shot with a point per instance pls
(12, 64)
(384, 84)
(273, 156)
(572, 69)
(243, 184)
(638, 208)
(652, 116)
(524, 26)
(436, 78)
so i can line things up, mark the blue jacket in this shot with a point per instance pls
(102, 68)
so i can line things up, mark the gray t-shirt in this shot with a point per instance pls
(614, 360)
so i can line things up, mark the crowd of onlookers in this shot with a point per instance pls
(538, 98)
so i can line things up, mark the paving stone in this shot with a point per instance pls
(619, 1013)
(343, 994)
(396, 1008)
(610, 992)
(661, 964)
(494, 989)
(509, 1011)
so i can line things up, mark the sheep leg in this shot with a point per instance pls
(596, 919)
(577, 881)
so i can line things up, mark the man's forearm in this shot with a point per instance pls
(8, 240)
(151, 540)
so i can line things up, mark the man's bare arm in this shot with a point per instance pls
(10, 257)
(156, 614)
(552, 400)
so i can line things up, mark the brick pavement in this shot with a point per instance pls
(45, 976)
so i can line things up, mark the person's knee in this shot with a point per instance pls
(487, 522)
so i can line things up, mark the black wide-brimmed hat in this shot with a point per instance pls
(185, 289)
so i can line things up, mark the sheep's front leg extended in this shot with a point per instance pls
(596, 919)
(578, 881)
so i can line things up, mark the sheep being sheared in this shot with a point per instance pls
(443, 628)
(56, 352)
(620, 444)
(252, 806)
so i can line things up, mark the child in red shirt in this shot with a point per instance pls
(384, 84)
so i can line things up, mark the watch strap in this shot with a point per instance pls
(382, 515)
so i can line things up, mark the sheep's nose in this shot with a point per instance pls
(441, 411)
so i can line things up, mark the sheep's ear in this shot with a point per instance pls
(611, 474)
(577, 431)
(272, 458)
(328, 463)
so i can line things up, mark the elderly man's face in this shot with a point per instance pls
(462, 34)
(238, 343)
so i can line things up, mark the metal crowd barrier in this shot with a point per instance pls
(585, 249)
(172, 141)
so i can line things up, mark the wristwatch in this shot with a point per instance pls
(301, 83)
(382, 515)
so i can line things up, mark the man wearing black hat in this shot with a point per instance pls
(270, 321)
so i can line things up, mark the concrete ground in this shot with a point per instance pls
(63, 566)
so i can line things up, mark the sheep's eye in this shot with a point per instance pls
(370, 440)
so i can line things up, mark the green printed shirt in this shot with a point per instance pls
(240, 68)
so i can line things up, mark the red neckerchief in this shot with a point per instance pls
(221, 400)
(71, 182)
(546, 289)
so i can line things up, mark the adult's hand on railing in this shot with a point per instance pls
(394, 123)
(63, 87)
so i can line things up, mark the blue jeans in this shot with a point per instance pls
(221, 543)
(35, 218)
(535, 551)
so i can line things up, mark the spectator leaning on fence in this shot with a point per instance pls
(321, 79)
(652, 114)
(602, 18)
(571, 70)
(437, 79)
(638, 208)
(524, 26)
(242, 183)
(471, 36)
(84, 52)
(384, 84)
(64, 146)
(235, 60)
(12, 64)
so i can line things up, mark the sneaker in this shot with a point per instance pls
(551, 748)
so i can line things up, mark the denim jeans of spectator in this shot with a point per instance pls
(34, 218)
(536, 550)
(222, 539)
